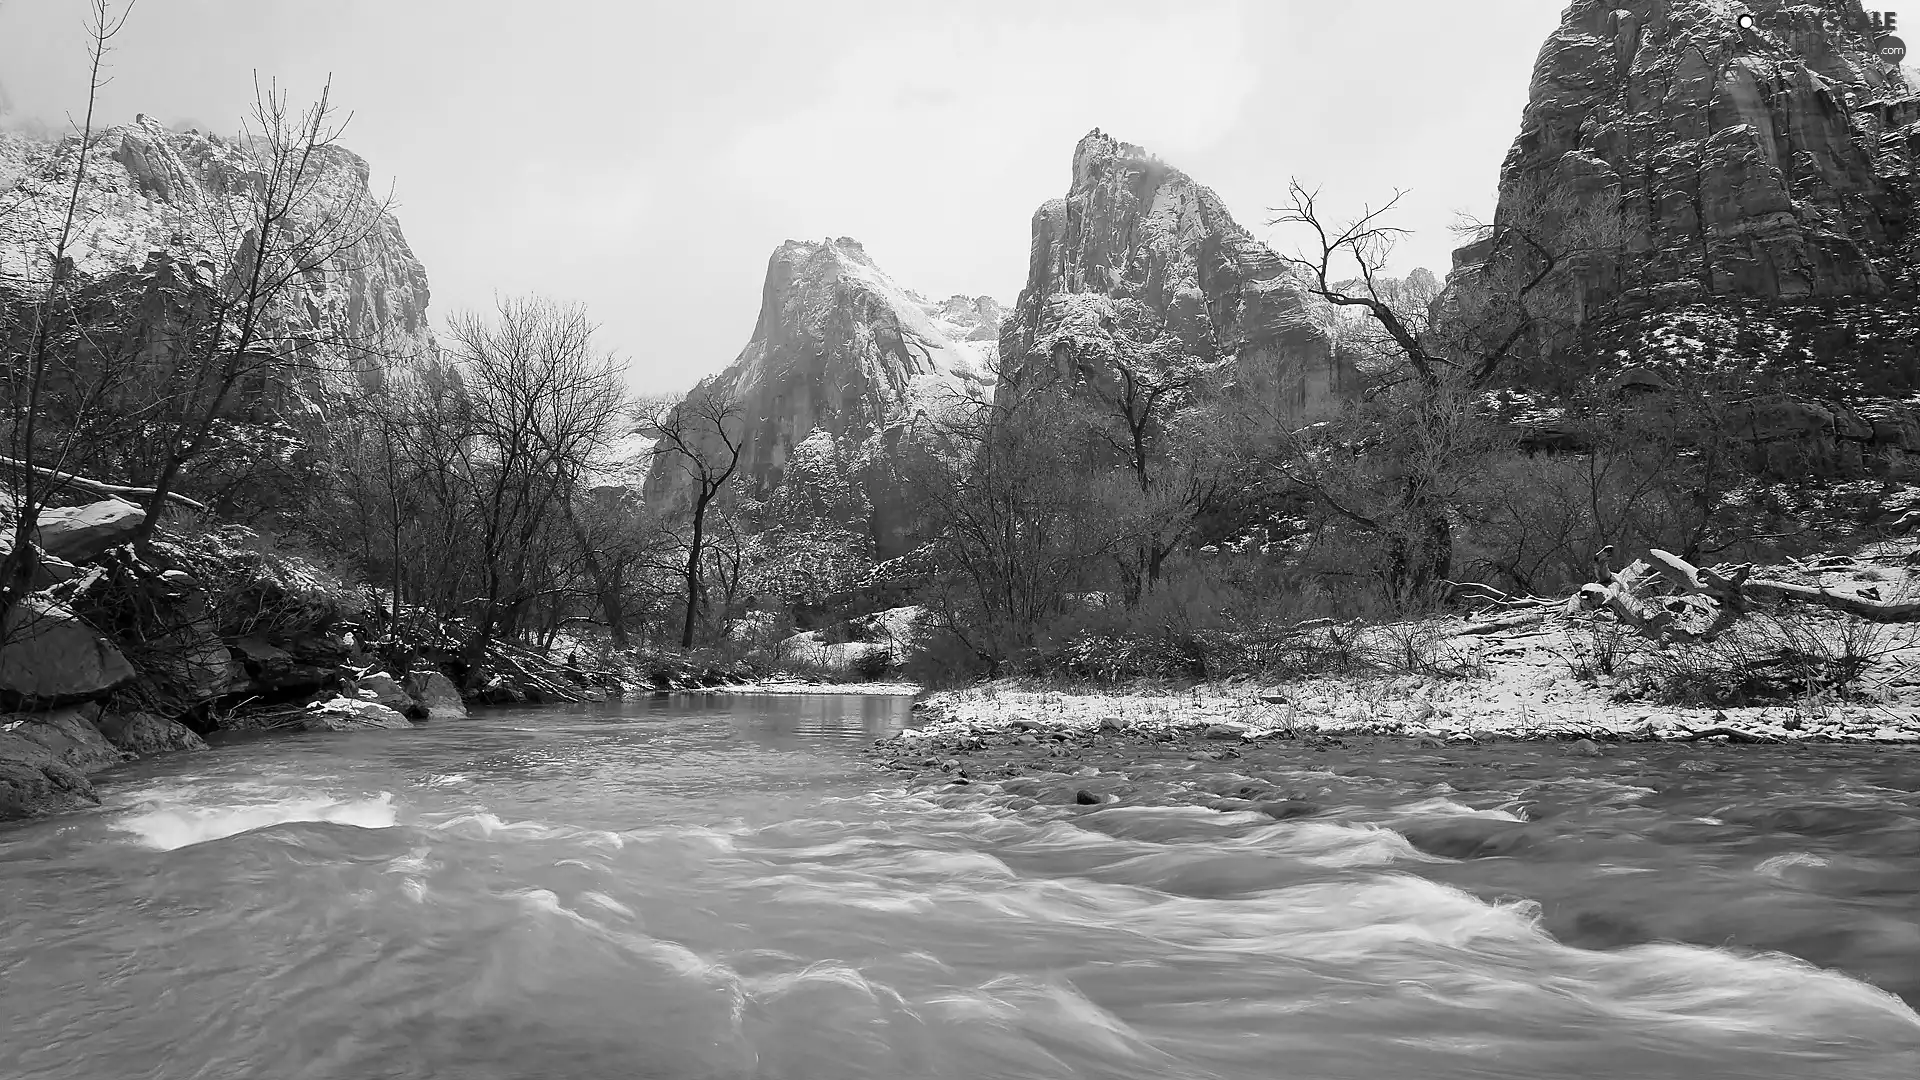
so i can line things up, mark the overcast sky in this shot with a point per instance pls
(645, 157)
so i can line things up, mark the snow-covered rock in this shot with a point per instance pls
(351, 714)
(79, 533)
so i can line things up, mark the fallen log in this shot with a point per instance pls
(1737, 589)
(1508, 623)
(1618, 597)
(96, 487)
(1735, 734)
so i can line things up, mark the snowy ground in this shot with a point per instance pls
(1525, 682)
(1517, 700)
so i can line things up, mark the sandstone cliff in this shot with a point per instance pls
(1133, 228)
(1774, 162)
(162, 212)
(1737, 211)
(842, 348)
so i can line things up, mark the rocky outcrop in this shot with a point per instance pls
(1774, 162)
(1133, 228)
(159, 258)
(45, 759)
(159, 210)
(842, 348)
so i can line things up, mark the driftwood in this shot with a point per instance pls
(1509, 622)
(1735, 734)
(1738, 589)
(1726, 593)
(96, 487)
(538, 680)
(1619, 595)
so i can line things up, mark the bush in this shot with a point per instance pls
(1769, 658)
(872, 666)
(1416, 648)
(256, 588)
(939, 658)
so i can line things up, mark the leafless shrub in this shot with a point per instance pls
(1423, 648)
(1788, 655)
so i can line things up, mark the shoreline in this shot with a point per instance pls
(1410, 707)
(1075, 743)
(798, 689)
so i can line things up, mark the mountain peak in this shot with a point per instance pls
(843, 352)
(1134, 229)
(1097, 152)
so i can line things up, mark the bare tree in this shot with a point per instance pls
(302, 220)
(540, 408)
(36, 468)
(1143, 388)
(698, 442)
(1396, 466)
(1017, 528)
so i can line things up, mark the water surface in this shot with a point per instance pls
(725, 889)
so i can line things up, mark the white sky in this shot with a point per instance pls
(645, 157)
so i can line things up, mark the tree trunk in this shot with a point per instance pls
(1418, 562)
(693, 568)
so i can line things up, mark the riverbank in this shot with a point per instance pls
(814, 687)
(1009, 728)
(1522, 687)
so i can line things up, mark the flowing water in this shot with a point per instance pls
(724, 889)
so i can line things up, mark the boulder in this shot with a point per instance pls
(188, 670)
(50, 655)
(80, 533)
(382, 689)
(351, 714)
(144, 733)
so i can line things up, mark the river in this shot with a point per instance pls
(723, 888)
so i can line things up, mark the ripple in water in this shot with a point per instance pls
(564, 896)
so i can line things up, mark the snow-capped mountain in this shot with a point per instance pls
(1132, 227)
(160, 206)
(842, 348)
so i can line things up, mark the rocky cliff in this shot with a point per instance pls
(1736, 211)
(1133, 228)
(161, 210)
(841, 348)
(1774, 161)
